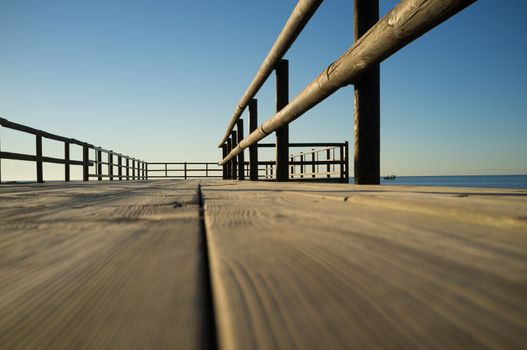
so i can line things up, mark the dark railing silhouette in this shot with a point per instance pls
(375, 40)
(305, 166)
(184, 170)
(128, 168)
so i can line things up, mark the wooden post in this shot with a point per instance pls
(40, 175)
(367, 104)
(120, 165)
(146, 171)
(328, 167)
(253, 149)
(67, 159)
(282, 134)
(347, 162)
(301, 165)
(127, 168)
(292, 167)
(224, 154)
(85, 166)
(99, 165)
(313, 169)
(241, 157)
(133, 169)
(229, 163)
(234, 162)
(110, 165)
(185, 170)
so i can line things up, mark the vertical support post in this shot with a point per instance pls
(185, 170)
(347, 162)
(206, 169)
(99, 165)
(67, 159)
(241, 157)
(367, 104)
(282, 134)
(133, 169)
(166, 170)
(120, 165)
(292, 167)
(328, 167)
(127, 168)
(110, 165)
(313, 170)
(229, 163)
(40, 175)
(224, 154)
(234, 162)
(85, 166)
(253, 149)
(301, 165)
(342, 170)
(146, 171)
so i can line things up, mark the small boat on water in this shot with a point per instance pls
(390, 177)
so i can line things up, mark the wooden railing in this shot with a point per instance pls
(128, 168)
(332, 158)
(375, 40)
(184, 170)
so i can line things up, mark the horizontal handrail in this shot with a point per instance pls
(182, 163)
(185, 171)
(19, 127)
(403, 24)
(29, 157)
(180, 170)
(298, 19)
(302, 144)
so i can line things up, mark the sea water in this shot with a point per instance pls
(483, 181)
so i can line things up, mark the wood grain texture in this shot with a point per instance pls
(306, 266)
(102, 266)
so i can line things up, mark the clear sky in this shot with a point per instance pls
(159, 80)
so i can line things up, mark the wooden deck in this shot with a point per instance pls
(138, 265)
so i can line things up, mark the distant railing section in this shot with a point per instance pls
(183, 170)
(128, 168)
(328, 162)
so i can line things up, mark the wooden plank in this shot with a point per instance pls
(102, 266)
(307, 266)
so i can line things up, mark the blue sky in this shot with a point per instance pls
(159, 80)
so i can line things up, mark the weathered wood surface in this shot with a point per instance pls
(293, 266)
(102, 266)
(306, 266)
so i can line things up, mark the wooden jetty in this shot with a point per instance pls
(190, 264)
(230, 264)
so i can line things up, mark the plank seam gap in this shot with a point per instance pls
(209, 300)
